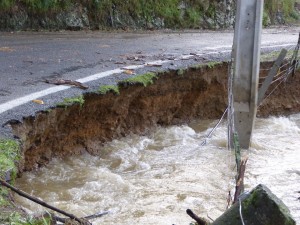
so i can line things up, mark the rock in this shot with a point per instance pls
(218, 14)
(76, 18)
(259, 207)
(15, 20)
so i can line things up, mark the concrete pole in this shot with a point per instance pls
(246, 56)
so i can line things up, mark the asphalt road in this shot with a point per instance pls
(27, 59)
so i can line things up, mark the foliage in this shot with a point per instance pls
(193, 18)
(9, 154)
(37, 6)
(3, 197)
(70, 101)
(266, 19)
(107, 88)
(46, 5)
(211, 65)
(143, 12)
(16, 219)
(271, 56)
(181, 72)
(138, 10)
(6, 4)
(109, 12)
(144, 79)
(287, 7)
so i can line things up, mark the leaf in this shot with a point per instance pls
(154, 64)
(132, 57)
(67, 82)
(129, 72)
(6, 49)
(104, 46)
(41, 102)
(118, 62)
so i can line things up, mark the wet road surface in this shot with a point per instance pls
(29, 58)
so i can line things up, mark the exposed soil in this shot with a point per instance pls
(174, 98)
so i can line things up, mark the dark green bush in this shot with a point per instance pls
(287, 7)
(6, 4)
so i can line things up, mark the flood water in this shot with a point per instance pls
(154, 179)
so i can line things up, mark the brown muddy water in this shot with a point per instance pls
(153, 179)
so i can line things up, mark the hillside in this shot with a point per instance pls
(134, 14)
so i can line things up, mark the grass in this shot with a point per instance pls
(6, 4)
(274, 55)
(144, 79)
(209, 65)
(109, 88)
(181, 72)
(71, 101)
(17, 219)
(9, 155)
(148, 11)
(284, 6)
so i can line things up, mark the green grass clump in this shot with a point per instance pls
(17, 219)
(9, 154)
(108, 88)
(271, 7)
(144, 79)
(211, 65)
(38, 6)
(71, 101)
(6, 4)
(181, 72)
(42, 6)
(3, 198)
(271, 56)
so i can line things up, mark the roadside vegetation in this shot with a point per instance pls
(104, 89)
(70, 101)
(9, 155)
(284, 10)
(143, 79)
(158, 13)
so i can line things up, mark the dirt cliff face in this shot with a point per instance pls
(176, 97)
(282, 97)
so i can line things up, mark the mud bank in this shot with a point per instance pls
(174, 97)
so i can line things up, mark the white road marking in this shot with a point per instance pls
(27, 98)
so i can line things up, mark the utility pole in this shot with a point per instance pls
(246, 57)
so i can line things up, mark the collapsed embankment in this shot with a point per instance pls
(172, 97)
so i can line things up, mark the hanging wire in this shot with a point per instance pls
(241, 215)
(230, 131)
(294, 60)
(233, 144)
(283, 79)
(214, 128)
(230, 117)
(283, 75)
(267, 69)
(283, 66)
(271, 92)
